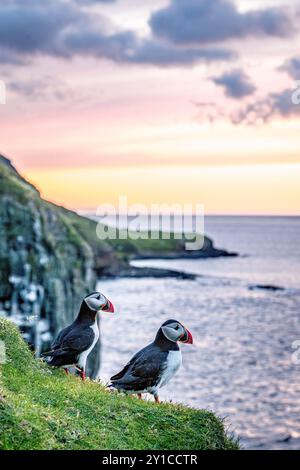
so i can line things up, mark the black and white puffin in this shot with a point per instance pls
(154, 366)
(75, 342)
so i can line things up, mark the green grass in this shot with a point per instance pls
(45, 409)
(12, 184)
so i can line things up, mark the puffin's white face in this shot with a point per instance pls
(97, 301)
(175, 331)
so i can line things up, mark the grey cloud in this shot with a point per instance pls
(236, 84)
(208, 21)
(126, 47)
(88, 42)
(35, 30)
(154, 52)
(275, 104)
(8, 58)
(90, 2)
(40, 88)
(292, 67)
(63, 29)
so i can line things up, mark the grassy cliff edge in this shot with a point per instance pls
(45, 409)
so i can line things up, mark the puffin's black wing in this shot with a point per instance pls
(60, 337)
(143, 371)
(121, 374)
(75, 341)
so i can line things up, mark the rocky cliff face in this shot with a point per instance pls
(46, 261)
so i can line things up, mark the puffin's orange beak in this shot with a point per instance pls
(188, 337)
(109, 307)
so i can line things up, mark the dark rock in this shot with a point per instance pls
(285, 438)
(157, 273)
(183, 254)
(266, 287)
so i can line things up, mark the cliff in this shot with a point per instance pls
(42, 409)
(49, 259)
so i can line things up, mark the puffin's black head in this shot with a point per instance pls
(174, 331)
(97, 302)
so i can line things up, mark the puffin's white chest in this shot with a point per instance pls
(83, 356)
(174, 363)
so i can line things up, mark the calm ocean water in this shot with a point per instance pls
(241, 366)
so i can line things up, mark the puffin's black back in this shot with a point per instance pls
(143, 371)
(146, 367)
(74, 339)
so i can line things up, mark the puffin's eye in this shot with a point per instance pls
(177, 327)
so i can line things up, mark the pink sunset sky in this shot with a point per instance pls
(164, 101)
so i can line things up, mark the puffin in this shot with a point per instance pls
(74, 343)
(155, 365)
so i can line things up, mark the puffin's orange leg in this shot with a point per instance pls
(81, 373)
(157, 400)
(66, 370)
(140, 396)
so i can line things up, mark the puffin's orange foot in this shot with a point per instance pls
(81, 373)
(157, 400)
(140, 396)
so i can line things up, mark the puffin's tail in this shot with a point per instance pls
(112, 388)
(54, 352)
(58, 358)
(49, 358)
(46, 354)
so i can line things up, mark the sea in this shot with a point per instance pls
(245, 363)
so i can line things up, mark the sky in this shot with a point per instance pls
(163, 101)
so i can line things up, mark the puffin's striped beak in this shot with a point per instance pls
(108, 307)
(188, 337)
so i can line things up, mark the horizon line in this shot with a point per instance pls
(92, 212)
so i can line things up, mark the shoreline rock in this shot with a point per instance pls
(214, 253)
(157, 273)
(269, 287)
